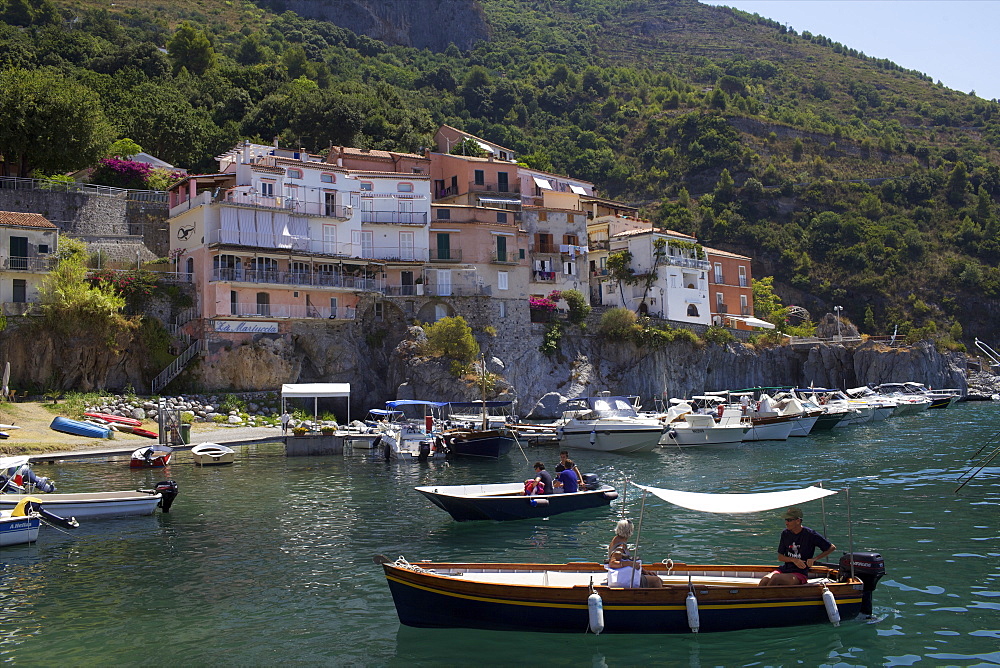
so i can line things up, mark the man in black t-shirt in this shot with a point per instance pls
(795, 550)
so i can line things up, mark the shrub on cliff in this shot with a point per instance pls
(618, 324)
(451, 337)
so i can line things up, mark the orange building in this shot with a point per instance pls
(730, 288)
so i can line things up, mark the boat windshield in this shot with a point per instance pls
(617, 407)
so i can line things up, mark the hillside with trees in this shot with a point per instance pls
(850, 179)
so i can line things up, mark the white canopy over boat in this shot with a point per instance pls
(737, 503)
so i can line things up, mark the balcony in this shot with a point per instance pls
(717, 278)
(599, 272)
(538, 276)
(394, 217)
(744, 283)
(493, 188)
(38, 263)
(416, 290)
(571, 250)
(254, 310)
(505, 258)
(318, 279)
(599, 244)
(547, 249)
(721, 308)
(458, 290)
(687, 262)
(304, 244)
(302, 201)
(445, 254)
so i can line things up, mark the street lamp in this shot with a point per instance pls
(838, 310)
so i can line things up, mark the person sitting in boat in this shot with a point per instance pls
(541, 483)
(566, 463)
(623, 570)
(567, 480)
(795, 550)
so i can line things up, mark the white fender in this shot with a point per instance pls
(593, 436)
(595, 608)
(830, 601)
(694, 620)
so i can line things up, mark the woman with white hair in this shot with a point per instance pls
(623, 570)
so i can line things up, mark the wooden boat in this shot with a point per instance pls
(212, 454)
(117, 419)
(96, 505)
(575, 597)
(151, 457)
(80, 428)
(506, 501)
(482, 443)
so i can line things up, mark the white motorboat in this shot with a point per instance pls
(685, 429)
(212, 454)
(18, 528)
(937, 398)
(762, 422)
(789, 406)
(609, 424)
(402, 440)
(95, 505)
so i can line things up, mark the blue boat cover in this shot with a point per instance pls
(414, 402)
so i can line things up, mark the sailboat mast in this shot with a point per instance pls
(483, 362)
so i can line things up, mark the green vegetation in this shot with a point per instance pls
(550, 341)
(452, 337)
(857, 182)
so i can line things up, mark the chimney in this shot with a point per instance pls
(246, 151)
(276, 141)
(303, 156)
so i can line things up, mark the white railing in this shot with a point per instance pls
(318, 246)
(18, 183)
(175, 367)
(324, 279)
(254, 310)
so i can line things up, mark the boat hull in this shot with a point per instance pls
(117, 419)
(483, 444)
(685, 437)
(211, 454)
(804, 425)
(431, 600)
(90, 505)
(18, 530)
(508, 502)
(605, 438)
(79, 428)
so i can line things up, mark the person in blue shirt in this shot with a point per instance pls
(568, 481)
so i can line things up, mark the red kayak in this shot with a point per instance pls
(117, 419)
(144, 432)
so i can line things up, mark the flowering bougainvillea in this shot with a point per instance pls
(132, 284)
(541, 304)
(122, 173)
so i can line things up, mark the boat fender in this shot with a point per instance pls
(672, 434)
(694, 621)
(535, 501)
(24, 506)
(593, 436)
(830, 601)
(595, 609)
(611, 495)
(559, 432)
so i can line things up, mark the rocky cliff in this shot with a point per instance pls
(424, 24)
(383, 361)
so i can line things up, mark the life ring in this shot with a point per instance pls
(19, 509)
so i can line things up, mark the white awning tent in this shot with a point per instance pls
(316, 391)
(542, 183)
(753, 322)
(737, 503)
(579, 190)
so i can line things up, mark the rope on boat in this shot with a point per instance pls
(975, 469)
(401, 562)
(669, 563)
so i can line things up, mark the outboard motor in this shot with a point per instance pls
(869, 567)
(591, 480)
(425, 451)
(168, 488)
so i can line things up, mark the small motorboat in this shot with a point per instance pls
(507, 501)
(80, 428)
(18, 526)
(18, 482)
(151, 457)
(212, 454)
(574, 597)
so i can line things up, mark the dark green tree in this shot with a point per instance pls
(190, 48)
(52, 124)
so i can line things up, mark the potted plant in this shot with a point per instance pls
(327, 430)
(299, 431)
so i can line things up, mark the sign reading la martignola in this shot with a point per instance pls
(245, 326)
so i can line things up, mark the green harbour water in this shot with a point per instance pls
(269, 561)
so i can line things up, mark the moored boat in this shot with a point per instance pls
(18, 528)
(212, 454)
(97, 505)
(507, 501)
(117, 419)
(609, 424)
(151, 457)
(685, 429)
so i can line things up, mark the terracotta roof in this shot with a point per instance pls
(267, 169)
(16, 219)
(374, 153)
(722, 253)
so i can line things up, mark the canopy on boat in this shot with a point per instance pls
(480, 404)
(737, 503)
(11, 462)
(414, 402)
